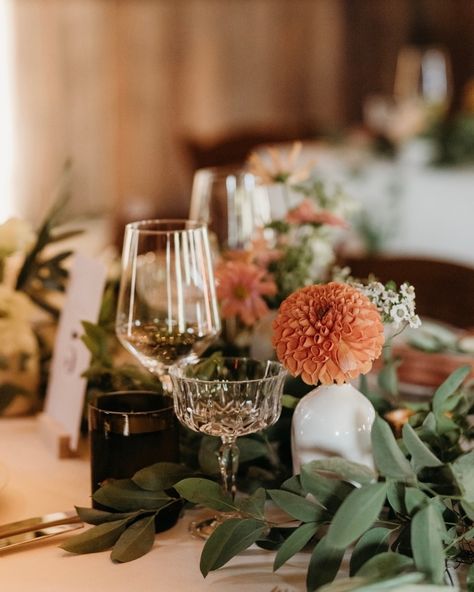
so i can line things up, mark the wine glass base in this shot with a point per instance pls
(203, 529)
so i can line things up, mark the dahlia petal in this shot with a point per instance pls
(291, 364)
(335, 333)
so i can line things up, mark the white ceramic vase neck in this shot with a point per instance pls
(332, 420)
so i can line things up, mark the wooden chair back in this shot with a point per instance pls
(444, 290)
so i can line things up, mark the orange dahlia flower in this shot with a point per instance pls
(328, 333)
(240, 287)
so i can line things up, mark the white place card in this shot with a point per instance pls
(66, 387)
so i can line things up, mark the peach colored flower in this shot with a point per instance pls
(281, 168)
(240, 287)
(259, 252)
(307, 212)
(241, 255)
(262, 254)
(328, 333)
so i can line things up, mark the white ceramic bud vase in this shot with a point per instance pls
(332, 420)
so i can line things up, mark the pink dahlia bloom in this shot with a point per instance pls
(240, 287)
(307, 213)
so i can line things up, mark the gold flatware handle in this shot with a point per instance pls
(32, 536)
(39, 523)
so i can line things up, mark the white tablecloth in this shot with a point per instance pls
(420, 210)
(37, 483)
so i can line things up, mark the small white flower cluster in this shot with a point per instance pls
(396, 307)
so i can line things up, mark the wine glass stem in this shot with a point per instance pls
(228, 464)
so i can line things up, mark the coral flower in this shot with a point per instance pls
(240, 287)
(307, 213)
(328, 333)
(262, 254)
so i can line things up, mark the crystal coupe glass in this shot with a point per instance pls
(241, 396)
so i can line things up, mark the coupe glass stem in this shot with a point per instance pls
(165, 380)
(228, 464)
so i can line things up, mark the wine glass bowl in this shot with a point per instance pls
(167, 308)
(232, 202)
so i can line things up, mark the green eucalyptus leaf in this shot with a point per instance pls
(388, 457)
(251, 449)
(324, 564)
(289, 401)
(208, 455)
(427, 543)
(429, 423)
(469, 534)
(294, 543)
(463, 469)
(330, 493)
(445, 426)
(385, 565)
(415, 499)
(274, 538)
(160, 476)
(440, 479)
(96, 339)
(468, 508)
(344, 469)
(125, 496)
(298, 507)
(448, 388)
(388, 378)
(207, 368)
(470, 579)
(396, 496)
(95, 539)
(229, 539)
(421, 455)
(93, 516)
(357, 514)
(205, 492)
(371, 543)
(136, 541)
(254, 504)
(293, 484)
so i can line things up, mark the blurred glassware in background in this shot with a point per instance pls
(231, 202)
(421, 98)
(424, 73)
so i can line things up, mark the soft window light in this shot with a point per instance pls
(7, 206)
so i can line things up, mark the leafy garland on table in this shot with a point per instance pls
(401, 524)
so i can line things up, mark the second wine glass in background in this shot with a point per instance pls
(232, 203)
(167, 308)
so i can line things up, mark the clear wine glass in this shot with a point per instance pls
(167, 307)
(231, 202)
(241, 396)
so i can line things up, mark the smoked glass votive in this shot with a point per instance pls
(129, 431)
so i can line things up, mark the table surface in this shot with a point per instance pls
(34, 483)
